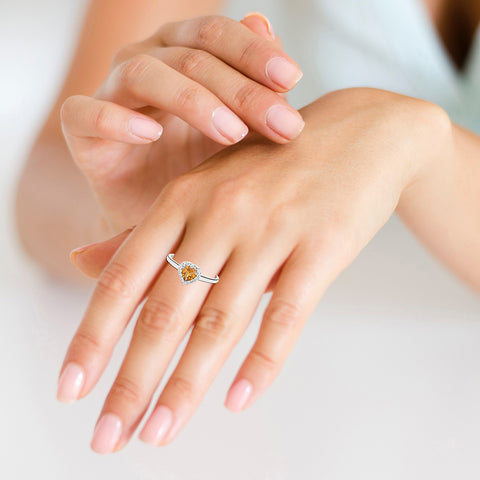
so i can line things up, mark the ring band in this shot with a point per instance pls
(189, 272)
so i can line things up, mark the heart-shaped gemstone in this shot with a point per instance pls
(188, 272)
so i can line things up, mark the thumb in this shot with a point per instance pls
(93, 258)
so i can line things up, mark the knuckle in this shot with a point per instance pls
(128, 391)
(159, 318)
(213, 322)
(211, 30)
(281, 219)
(264, 361)
(134, 70)
(121, 55)
(188, 98)
(101, 119)
(192, 61)
(180, 188)
(250, 51)
(231, 197)
(247, 96)
(335, 239)
(116, 281)
(86, 342)
(183, 386)
(283, 314)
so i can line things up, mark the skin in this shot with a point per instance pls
(321, 202)
(317, 200)
(180, 77)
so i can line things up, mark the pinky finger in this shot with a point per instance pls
(294, 299)
(88, 117)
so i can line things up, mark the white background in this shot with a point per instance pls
(384, 382)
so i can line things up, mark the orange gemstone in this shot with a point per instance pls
(188, 273)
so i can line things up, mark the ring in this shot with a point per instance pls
(189, 272)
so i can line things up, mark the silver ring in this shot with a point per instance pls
(189, 272)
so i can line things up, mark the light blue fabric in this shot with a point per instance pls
(393, 44)
(388, 44)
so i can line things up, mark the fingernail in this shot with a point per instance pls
(70, 383)
(283, 73)
(78, 251)
(107, 433)
(238, 395)
(265, 20)
(145, 129)
(228, 124)
(284, 121)
(157, 425)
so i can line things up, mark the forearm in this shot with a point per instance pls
(442, 208)
(55, 209)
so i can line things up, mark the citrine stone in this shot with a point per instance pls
(188, 273)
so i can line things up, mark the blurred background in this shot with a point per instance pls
(384, 382)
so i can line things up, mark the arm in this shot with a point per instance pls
(442, 208)
(55, 207)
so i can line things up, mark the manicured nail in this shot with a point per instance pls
(145, 129)
(283, 73)
(70, 383)
(265, 20)
(284, 121)
(228, 124)
(157, 425)
(78, 251)
(107, 433)
(238, 395)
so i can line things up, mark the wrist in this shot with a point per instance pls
(435, 137)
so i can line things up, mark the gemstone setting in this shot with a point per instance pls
(188, 272)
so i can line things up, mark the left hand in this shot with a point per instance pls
(286, 217)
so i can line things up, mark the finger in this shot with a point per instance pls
(260, 24)
(93, 258)
(84, 116)
(119, 290)
(302, 282)
(165, 318)
(145, 81)
(258, 106)
(235, 44)
(220, 324)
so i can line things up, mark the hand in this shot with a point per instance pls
(204, 80)
(291, 217)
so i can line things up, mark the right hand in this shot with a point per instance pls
(200, 81)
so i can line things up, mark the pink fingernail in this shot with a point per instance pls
(157, 425)
(145, 129)
(283, 73)
(107, 433)
(284, 121)
(228, 124)
(70, 383)
(238, 395)
(265, 20)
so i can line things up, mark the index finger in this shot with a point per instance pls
(234, 43)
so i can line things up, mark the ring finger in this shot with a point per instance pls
(220, 324)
